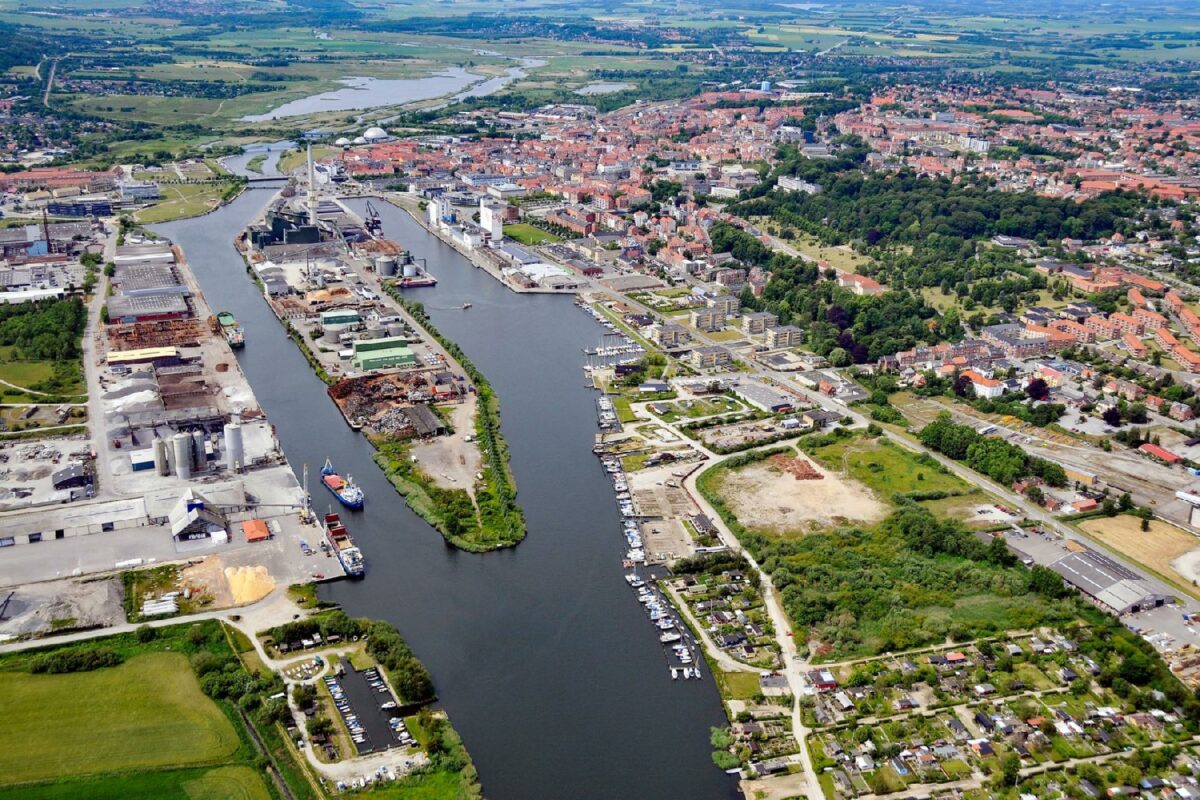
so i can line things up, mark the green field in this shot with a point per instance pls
(886, 468)
(221, 783)
(144, 714)
(526, 234)
(183, 200)
(23, 373)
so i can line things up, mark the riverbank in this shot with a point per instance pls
(474, 256)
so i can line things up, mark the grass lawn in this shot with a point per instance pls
(887, 468)
(738, 685)
(221, 783)
(182, 200)
(961, 507)
(525, 233)
(148, 712)
(27, 374)
(432, 786)
(623, 409)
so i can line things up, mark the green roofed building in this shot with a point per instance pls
(340, 316)
(392, 351)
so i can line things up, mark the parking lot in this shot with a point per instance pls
(368, 708)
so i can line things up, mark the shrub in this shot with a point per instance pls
(83, 660)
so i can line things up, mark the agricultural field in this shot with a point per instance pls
(144, 714)
(137, 714)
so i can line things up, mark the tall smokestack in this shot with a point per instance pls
(312, 189)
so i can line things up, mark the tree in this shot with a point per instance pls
(839, 357)
(1036, 495)
(1010, 770)
(145, 633)
(1125, 503)
(1112, 417)
(1037, 389)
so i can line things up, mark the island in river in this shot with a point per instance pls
(431, 415)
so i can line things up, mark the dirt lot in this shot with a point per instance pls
(767, 498)
(450, 461)
(40, 608)
(1167, 550)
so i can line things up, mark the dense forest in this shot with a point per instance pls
(45, 330)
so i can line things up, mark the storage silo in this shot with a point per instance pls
(162, 463)
(385, 266)
(235, 457)
(181, 451)
(199, 459)
(410, 268)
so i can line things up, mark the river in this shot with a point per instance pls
(542, 655)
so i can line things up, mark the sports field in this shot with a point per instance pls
(146, 713)
(526, 234)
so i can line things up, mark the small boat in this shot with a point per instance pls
(344, 489)
(667, 638)
(466, 306)
(674, 674)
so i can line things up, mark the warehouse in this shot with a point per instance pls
(1107, 583)
(391, 351)
(147, 309)
(158, 356)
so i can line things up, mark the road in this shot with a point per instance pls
(49, 82)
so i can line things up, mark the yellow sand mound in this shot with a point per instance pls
(249, 584)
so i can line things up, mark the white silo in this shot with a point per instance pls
(385, 266)
(199, 459)
(235, 457)
(181, 451)
(162, 464)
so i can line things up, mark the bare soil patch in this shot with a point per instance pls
(769, 497)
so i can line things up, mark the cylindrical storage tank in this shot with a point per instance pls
(396, 329)
(410, 269)
(385, 266)
(162, 464)
(235, 457)
(199, 460)
(181, 451)
(333, 335)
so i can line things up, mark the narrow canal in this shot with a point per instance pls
(542, 655)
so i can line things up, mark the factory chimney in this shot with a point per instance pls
(312, 189)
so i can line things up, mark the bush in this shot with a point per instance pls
(84, 660)
(145, 634)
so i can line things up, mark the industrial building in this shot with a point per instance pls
(390, 351)
(1110, 585)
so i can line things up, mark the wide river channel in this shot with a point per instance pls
(542, 655)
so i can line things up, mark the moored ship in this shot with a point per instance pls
(231, 330)
(343, 546)
(344, 489)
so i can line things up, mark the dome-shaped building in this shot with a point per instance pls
(375, 134)
(342, 142)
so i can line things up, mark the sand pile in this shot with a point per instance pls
(249, 584)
